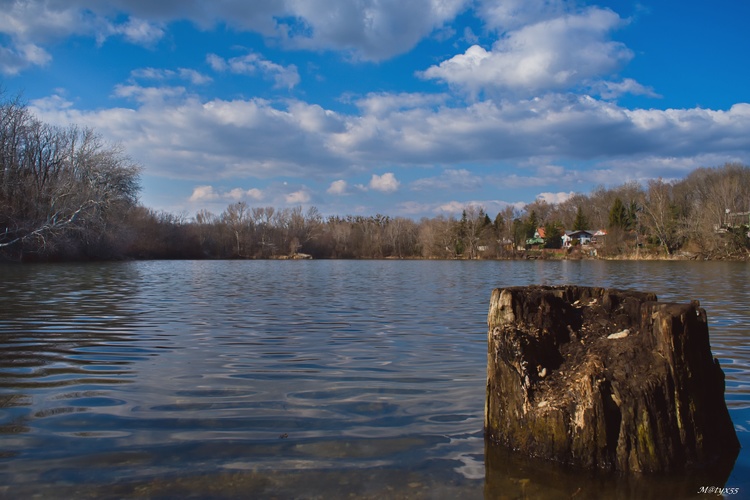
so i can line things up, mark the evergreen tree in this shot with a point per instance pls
(581, 223)
(487, 221)
(553, 235)
(618, 216)
(632, 214)
(499, 222)
(532, 224)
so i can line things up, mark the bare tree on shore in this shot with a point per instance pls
(62, 190)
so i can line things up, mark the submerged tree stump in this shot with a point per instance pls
(603, 378)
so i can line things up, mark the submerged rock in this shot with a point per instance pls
(603, 378)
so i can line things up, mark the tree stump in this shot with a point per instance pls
(603, 378)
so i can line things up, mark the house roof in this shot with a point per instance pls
(579, 232)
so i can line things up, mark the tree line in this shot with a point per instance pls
(63, 191)
(66, 194)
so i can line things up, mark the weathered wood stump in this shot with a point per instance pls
(602, 378)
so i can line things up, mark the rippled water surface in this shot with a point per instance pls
(312, 379)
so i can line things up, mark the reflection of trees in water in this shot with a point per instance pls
(15, 425)
(61, 326)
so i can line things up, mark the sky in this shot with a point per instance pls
(405, 108)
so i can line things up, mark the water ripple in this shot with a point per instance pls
(134, 370)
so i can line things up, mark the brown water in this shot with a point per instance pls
(298, 379)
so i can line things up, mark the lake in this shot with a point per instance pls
(299, 379)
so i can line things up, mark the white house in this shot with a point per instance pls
(583, 236)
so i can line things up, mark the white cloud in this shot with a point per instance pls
(610, 90)
(451, 207)
(382, 103)
(470, 37)
(30, 25)
(157, 74)
(507, 15)
(138, 31)
(412, 208)
(204, 193)
(217, 63)
(552, 54)
(210, 194)
(555, 125)
(194, 76)
(153, 96)
(17, 58)
(370, 29)
(245, 194)
(550, 171)
(455, 208)
(386, 183)
(41, 22)
(178, 135)
(337, 187)
(555, 197)
(301, 196)
(367, 29)
(251, 64)
(450, 179)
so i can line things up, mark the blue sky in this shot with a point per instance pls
(410, 109)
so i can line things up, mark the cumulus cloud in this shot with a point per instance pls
(18, 58)
(451, 207)
(182, 136)
(455, 208)
(42, 22)
(555, 125)
(252, 64)
(385, 183)
(204, 193)
(210, 194)
(552, 54)
(297, 197)
(337, 187)
(555, 197)
(381, 103)
(369, 29)
(136, 31)
(29, 25)
(178, 135)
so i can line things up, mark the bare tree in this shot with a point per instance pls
(661, 215)
(237, 219)
(437, 237)
(711, 200)
(61, 190)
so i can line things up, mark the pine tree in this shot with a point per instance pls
(532, 224)
(581, 223)
(618, 216)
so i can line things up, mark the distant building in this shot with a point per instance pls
(538, 238)
(583, 236)
(598, 236)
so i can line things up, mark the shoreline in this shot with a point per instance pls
(541, 254)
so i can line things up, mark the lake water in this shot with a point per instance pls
(298, 379)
